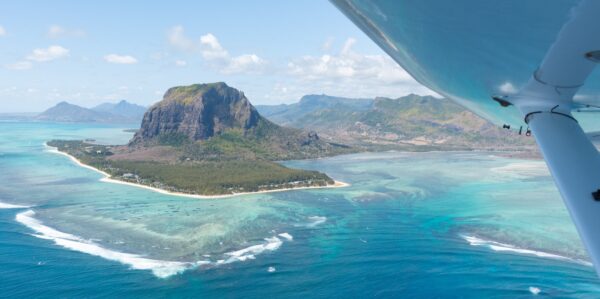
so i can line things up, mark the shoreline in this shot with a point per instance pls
(108, 179)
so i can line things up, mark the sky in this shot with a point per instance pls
(274, 51)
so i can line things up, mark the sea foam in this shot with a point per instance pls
(534, 290)
(502, 247)
(247, 253)
(316, 220)
(287, 236)
(11, 206)
(160, 268)
(523, 169)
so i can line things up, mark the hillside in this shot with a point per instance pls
(289, 114)
(122, 112)
(408, 123)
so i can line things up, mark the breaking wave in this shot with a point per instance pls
(249, 253)
(524, 169)
(4, 205)
(502, 247)
(316, 220)
(160, 268)
(287, 236)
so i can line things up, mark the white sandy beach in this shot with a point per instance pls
(107, 178)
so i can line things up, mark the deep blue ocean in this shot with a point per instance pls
(425, 225)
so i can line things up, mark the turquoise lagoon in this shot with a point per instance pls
(463, 224)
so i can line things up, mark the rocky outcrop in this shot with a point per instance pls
(217, 122)
(197, 112)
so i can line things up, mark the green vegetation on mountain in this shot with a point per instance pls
(290, 114)
(412, 123)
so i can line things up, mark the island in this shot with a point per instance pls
(208, 140)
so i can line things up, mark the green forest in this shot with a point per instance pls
(203, 177)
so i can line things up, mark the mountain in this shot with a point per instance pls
(122, 112)
(122, 108)
(408, 123)
(65, 112)
(198, 112)
(218, 120)
(288, 114)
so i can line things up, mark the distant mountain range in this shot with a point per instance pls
(121, 112)
(122, 108)
(411, 122)
(289, 114)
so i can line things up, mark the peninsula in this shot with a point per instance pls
(207, 140)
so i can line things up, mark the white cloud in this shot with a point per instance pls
(20, 65)
(39, 55)
(347, 48)
(211, 48)
(2, 31)
(56, 31)
(215, 54)
(180, 63)
(346, 73)
(48, 54)
(120, 59)
(219, 57)
(178, 39)
(247, 63)
(349, 65)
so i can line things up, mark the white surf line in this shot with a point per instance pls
(527, 169)
(316, 220)
(4, 205)
(249, 253)
(160, 268)
(107, 179)
(54, 150)
(501, 247)
(287, 236)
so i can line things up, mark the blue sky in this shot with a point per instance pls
(274, 51)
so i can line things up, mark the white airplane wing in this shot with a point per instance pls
(537, 54)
